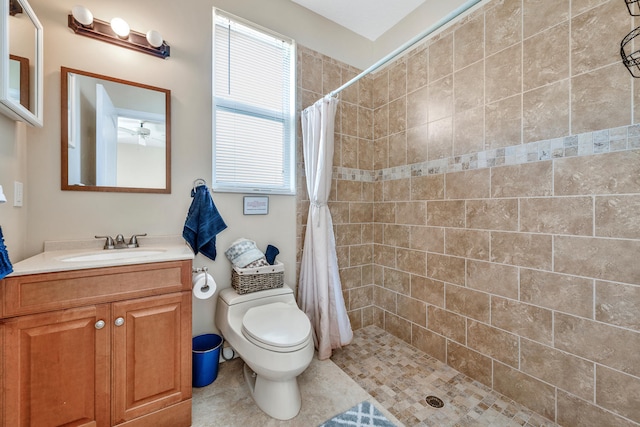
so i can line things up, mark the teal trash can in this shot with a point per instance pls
(205, 357)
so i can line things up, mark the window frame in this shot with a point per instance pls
(288, 186)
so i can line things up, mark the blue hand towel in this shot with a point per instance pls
(5, 264)
(203, 223)
(271, 254)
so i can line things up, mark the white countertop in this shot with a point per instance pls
(169, 248)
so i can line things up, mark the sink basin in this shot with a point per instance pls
(111, 255)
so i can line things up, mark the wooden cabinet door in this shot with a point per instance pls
(57, 369)
(1, 372)
(151, 352)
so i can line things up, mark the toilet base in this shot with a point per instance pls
(278, 399)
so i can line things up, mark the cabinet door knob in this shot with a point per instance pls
(119, 321)
(100, 324)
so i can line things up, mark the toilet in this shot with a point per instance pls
(273, 337)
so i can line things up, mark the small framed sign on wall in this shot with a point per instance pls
(256, 205)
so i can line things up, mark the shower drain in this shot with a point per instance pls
(434, 401)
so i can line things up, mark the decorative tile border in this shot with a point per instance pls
(585, 144)
(347, 174)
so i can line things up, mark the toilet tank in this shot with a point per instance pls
(230, 297)
(231, 304)
(231, 307)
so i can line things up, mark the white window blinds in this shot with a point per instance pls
(253, 147)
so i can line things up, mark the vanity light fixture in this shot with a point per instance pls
(82, 15)
(117, 32)
(154, 38)
(120, 27)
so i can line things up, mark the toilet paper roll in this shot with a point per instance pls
(203, 285)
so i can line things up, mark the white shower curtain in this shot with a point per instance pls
(320, 290)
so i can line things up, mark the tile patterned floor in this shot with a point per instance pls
(326, 391)
(400, 376)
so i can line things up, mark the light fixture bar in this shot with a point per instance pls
(101, 30)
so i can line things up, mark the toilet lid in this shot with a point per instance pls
(276, 324)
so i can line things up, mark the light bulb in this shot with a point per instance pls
(154, 38)
(82, 15)
(120, 27)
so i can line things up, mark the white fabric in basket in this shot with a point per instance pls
(244, 252)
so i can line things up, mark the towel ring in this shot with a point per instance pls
(198, 182)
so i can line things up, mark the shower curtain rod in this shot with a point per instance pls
(448, 18)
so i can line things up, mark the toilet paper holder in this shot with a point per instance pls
(196, 270)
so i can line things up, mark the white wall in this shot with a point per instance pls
(13, 167)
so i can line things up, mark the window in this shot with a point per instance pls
(253, 108)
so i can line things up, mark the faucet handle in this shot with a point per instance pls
(133, 241)
(109, 244)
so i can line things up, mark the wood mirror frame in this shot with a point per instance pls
(77, 135)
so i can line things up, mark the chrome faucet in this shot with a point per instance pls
(119, 243)
(133, 241)
(109, 243)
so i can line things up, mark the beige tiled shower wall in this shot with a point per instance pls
(352, 199)
(486, 202)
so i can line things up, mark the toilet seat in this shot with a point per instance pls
(277, 326)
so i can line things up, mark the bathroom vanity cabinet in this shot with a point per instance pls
(98, 347)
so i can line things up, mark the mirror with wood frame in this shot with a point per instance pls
(116, 134)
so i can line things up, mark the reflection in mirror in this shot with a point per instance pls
(115, 134)
(20, 62)
(19, 77)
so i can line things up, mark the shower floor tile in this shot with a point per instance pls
(400, 377)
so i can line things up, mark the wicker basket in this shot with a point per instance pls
(247, 280)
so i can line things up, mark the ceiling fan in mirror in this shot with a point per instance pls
(141, 132)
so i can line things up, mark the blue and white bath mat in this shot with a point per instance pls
(361, 415)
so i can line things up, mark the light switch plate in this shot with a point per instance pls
(17, 193)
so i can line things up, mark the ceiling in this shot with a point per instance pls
(369, 18)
